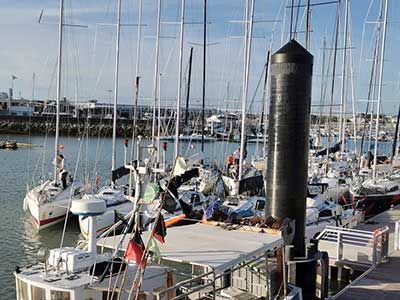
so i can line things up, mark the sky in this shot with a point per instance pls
(89, 53)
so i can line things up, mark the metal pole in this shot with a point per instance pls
(321, 100)
(308, 25)
(333, 85)
(378, 109)
(265, 104)
(396, 133)
(353, 95)
(343, 88)
(248, 36)
(135, 107)
(159, 120)
(59, 61)
(178, 100)
(204, 73)
(155, 82)
(114, 134)
(188, 86)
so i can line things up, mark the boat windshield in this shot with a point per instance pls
(59, 295)
(38, 293)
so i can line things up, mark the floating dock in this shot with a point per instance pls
(382, 280)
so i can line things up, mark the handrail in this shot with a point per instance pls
(376, 240)
(397, 236)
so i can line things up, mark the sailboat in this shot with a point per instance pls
(114, 196)
(48, 202)
(378, 194)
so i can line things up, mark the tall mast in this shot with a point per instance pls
(178, 100)
(396, 133)
(59, 61)
(114, 134)
(322, 94)
(343, 87)
(155, 82)
(247, 51)
(188, 86)
(378, 109)
(265, 103)
(204, 73)
(308, 22)
(135, 107)
(333, 84)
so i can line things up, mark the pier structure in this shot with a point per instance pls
(366, 258)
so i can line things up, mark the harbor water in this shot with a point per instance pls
(86, 158)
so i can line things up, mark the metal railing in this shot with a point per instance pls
(397, 236)
(355, 246)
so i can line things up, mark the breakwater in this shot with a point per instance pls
(40, 125)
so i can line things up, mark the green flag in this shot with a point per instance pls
(150, 193)
(153, 248)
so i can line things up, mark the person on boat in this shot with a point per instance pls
(229, 161)
(236, 156)
(61, 169)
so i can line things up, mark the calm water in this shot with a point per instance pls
(19, 241)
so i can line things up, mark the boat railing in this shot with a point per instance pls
(355, 247)
(397, 236)
(209, 283)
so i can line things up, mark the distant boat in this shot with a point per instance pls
(189, 138)
(8, 145)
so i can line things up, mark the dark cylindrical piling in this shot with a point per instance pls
(288, 137)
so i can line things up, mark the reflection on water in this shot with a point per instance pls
(19, 241)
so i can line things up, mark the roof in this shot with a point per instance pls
(207, 245)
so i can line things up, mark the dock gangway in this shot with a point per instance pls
(353, 248)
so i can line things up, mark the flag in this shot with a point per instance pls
(153, 248)
(134, 251)
(14, 77)
(159, 230)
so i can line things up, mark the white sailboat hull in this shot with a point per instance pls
(48, 204)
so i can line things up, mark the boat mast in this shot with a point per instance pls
(114, 133)
(396, 133)
(378, 109)
(204, 74)
(178, 100)
(188, 86)
(353, 93)
(343, 85)
(323, 89)
(135, 107)
(155, 82)
(332, 85)
(308, 24)
(264, 113)
(59, 61)
(247, 50)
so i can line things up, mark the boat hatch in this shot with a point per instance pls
(108, 193)
(27, 291)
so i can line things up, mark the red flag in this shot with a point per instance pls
(160, 231)
(134, 251)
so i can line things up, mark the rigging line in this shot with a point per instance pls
(291, 20)
(333, 81)
(297, 19)
(71, 194)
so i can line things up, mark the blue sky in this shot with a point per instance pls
(88, 57)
